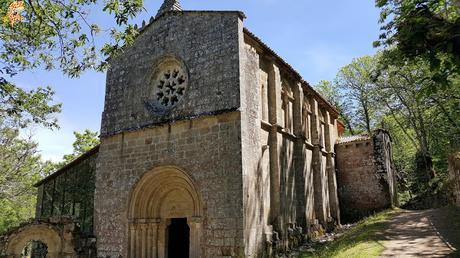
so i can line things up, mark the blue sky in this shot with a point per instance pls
(316, 37)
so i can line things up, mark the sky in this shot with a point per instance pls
(317, 37)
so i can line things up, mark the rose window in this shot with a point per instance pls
(169, 83)
(170, 87)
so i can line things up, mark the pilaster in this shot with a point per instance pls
(330, 168)
(299, 158)
(274, 101)
(317, 157)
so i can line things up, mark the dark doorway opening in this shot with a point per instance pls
(178, 239)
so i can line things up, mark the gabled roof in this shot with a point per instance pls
(175, 11)
(288, 67)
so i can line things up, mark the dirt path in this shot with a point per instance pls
(421, 234)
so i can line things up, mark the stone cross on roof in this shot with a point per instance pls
(169, 5)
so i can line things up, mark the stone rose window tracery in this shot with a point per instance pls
(170, 87)
(169, 83)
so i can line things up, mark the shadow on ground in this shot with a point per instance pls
(399, 233)
(424, 233)
(446, 221)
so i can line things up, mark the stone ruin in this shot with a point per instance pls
(58, 236)
(366, 175)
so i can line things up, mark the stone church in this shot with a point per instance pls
(211, 146)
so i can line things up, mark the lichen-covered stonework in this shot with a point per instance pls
(366, 175)
(204, 126)
(208, 149)
(207, 44)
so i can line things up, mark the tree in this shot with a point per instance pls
(83, 143)
(331, 92)
(20, 108)
(422, 29)
(47, 34)
(357, 84)
(52, 33)
(20, 168)
(426, 126)
(57, 34)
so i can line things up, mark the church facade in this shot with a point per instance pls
(206, 128)
(211, 146)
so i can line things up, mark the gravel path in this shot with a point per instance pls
(419, 234)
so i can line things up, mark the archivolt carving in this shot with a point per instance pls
(161, 195)
(164, 186)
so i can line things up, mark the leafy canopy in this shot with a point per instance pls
(20, 167)
(60, 34)
(84, 142)
(422, 29)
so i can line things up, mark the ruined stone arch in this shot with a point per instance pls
(58, 245)
(162, 194)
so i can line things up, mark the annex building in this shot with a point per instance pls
(211, 146)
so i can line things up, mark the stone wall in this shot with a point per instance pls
(454, 176)
(288, 167)
(365, 175)
(254, 137)
(208, 149)
(205, 42)
(61, 235)
(201, 135)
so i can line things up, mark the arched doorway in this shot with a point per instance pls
(44, 234)
(165, 214)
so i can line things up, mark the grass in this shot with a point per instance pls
(363, 240)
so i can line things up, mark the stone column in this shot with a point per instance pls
(330, 170)
(318, 181)
(162, 238)
(152, 238)
(299, 158)
(132, 240)
(274, 104)
(143, 242)
(194, 224)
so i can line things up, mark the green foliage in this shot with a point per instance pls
(20, 163)
(21, 108)
(331, 92)
(60, 34)
(72, 194)
(83, 142)
(425, 128)
(57, 34)
(20, 168)
(363, 240)
(422, 29)
(356, 84)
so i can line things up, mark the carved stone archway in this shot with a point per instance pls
(58, 238)
(163, 194)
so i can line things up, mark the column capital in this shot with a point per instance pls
(195, 220)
